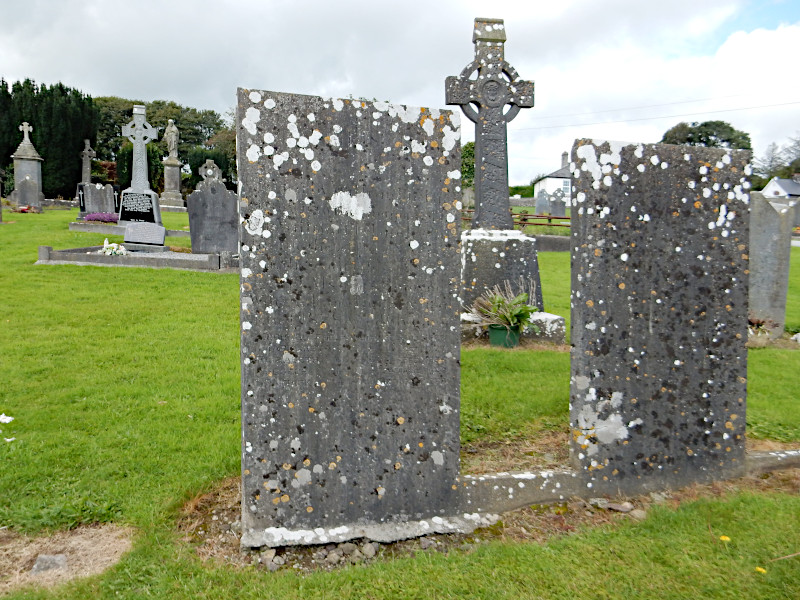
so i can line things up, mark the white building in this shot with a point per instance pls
(782, 188)
(557, 180)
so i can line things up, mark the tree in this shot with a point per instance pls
(714, 134)
(61, 117)
(468, 165)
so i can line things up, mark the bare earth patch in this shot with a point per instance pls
(89, 550)
(210, 522)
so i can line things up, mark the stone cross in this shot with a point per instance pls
(495, 86)
(209, 171)
(139, 132)
(25, 128)
(87, 155)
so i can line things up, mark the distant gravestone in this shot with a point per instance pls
(145, 233)
(213, 218)
(558, 205)
(542, 203)
(659, 320)
(27, 173)
(139, 202)
(99, 198)
(209, 171)
(483, 89)
(350, 332)
(86, 162)
(771, 226)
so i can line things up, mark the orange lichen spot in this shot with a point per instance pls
(291, 404)
(339, 458)
(374, 238)
(397, 144)
(286, 466)
(423, 300)
(323, 325)
(734, 416)
(728, 425)
(415, 261)
(331, 466)
(307, 462)
(323, 385)
(309, 509)
(689, 451)
(400, 420)
(615, 472)
(397, 466)
(621, 286)
(258, 496)
(285, 498)
(597, 251)
(441, 160)
(276, 500)
(728, 449)
(311, 409)
(590, 303)
(421, 445)
(247, 471)
(698, 204)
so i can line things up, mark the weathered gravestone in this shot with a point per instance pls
(87, 154)
(494, 252)
(27, 173)
(148, 234)
(490, 83)
(542, 203)
(770, 252)
(659, 314)
(558, 205)
(213, 214)
(350, 331)
(139, 202)
(92, 198)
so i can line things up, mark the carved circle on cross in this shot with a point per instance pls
(494, 93)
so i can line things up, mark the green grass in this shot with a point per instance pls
(124, 386)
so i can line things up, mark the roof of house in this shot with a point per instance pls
(562, 173)
(790, 186)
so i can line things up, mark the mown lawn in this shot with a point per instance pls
(124, 388)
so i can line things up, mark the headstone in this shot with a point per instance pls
(27, 172)
(171, 196)
(139, 202)
(80, 194)
(659, 314)
(350, 333)
(213, 218)
(490, 84)
(99, 198)
(771, 226)
(209, 171)
(558, 205)
(542, 203)
(145, 233)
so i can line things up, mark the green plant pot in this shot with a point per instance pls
(503, 337)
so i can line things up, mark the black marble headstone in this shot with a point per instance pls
(659, 314)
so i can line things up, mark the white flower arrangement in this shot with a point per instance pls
(4, 418)
(112, 249)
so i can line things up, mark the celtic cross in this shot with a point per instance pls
(483, 89)
(139, 132)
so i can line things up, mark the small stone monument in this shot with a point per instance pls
(27, 173)
(558, 205)
(495, 84)
(770, 252)
(349, 324)
(171, 196)
(139, 202)
(659, 320)
(213, 214)
(542, 203)
(86, 162)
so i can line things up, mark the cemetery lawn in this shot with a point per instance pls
(124, 388)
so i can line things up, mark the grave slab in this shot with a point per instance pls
(659, 314)
(145, 233)
(350, 318)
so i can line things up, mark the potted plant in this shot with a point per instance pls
(505, 313)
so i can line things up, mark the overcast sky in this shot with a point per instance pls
(623, 70)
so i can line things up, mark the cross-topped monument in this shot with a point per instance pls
(497, 84)
(86, 165)
(25, 128)
(139, 202)
(139, 132)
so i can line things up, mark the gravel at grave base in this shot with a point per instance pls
(89, 550)
(210, 524)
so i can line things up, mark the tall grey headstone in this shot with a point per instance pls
(213, 218)
(490, 84)
(542, 203)
(558, 205)
(171, 195)
(139, 202)
(27, 172)
(350, 322)
(659, 314)
(771, 226)
(98, 198)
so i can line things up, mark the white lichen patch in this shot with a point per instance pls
(355, 207)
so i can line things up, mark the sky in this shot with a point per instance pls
(623, 70)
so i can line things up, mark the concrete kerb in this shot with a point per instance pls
(110, 229)
(153, 260)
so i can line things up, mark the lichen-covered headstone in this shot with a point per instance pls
(558, 205)
(350, 332)
(27, 172)
(213, 218)
(659, 314)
